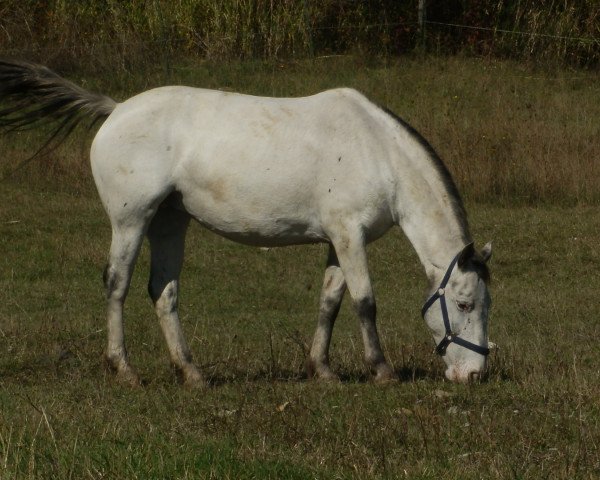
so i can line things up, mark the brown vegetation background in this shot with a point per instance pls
(91, 32)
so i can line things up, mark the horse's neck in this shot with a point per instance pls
(428, 207)
(435, 240)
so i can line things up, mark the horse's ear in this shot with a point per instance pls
(467, 254)
(486, 252)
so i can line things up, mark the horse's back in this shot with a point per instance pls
(248, 166)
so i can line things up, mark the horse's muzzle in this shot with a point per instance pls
(469, 376)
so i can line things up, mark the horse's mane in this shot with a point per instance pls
(445, 176)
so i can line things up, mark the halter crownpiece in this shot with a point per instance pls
(449, 336)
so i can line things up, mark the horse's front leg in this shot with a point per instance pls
(352, 256)
(332, 293)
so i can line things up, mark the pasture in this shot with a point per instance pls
(523, 147)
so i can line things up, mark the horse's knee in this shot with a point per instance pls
(334, 293)
(110, 277)
(365, 308)
(163, 295)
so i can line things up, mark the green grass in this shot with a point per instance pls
(248, 315)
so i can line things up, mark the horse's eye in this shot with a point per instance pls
(464, 306)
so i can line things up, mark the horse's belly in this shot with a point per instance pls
(253, 222)
(281, 233)
(278, 232)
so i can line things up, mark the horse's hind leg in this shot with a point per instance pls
(124, 249)
(332, 293)
(167, 237)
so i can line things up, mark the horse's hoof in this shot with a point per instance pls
(320, 373)
(129, 378)
(385, 374)
(195, 384)
(123, 372)
(383, 380)
(326, 376)
(193, 379)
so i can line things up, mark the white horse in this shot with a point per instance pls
(332, 168)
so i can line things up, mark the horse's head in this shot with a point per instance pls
(457, 314)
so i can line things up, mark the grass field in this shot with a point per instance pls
(249, 314)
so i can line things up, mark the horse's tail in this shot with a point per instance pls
(32, 95)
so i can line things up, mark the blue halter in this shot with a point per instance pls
(449, 336)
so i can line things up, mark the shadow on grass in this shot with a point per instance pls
(411, 374)
(405, 375)
(68, 367)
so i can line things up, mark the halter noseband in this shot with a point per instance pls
(449, 336)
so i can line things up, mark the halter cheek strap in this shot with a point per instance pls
(449, 336)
